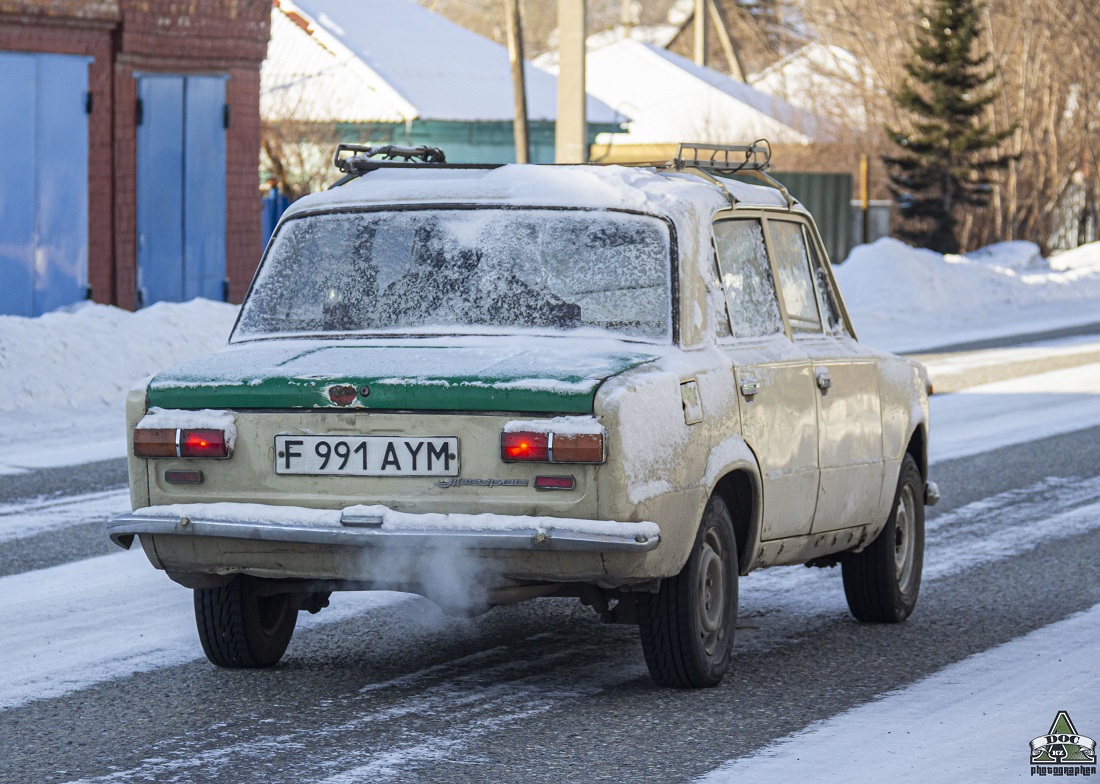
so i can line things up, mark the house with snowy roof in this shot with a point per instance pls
(825, 79)
(669, 99)
(391, 71)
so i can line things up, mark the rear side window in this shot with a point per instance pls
(793, 262)
(747, 278)
(826, 297)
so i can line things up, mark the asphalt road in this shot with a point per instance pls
(542, 692)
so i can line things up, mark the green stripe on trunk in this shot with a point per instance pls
(546, 375)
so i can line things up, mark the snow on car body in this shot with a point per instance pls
(492, 384)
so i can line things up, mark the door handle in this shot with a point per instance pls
(750, 387)
(824, 380)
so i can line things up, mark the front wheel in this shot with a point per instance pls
(882, 582)
(239, 626)
(687, 626)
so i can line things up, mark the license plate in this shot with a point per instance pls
(366, 455)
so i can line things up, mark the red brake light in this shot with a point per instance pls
(515, 447)
(171, 442)
(551, 447)
(203, 443)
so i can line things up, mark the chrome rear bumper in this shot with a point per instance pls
(379, 526)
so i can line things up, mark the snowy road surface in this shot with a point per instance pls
(102, 677)
(929, 731)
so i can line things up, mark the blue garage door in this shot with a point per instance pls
(43, 182)
(181, 188)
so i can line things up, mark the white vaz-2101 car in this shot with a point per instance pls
(486, 384)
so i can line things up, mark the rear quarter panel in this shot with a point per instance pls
(903, 384)
(661, 467)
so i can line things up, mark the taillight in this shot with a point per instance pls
(516, 447)
(577, 448)
(171, 442)
(203, 443)
(155, 442)
(525, 446)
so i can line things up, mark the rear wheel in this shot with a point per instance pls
(687, 626)
(240, 627)
(882, 582)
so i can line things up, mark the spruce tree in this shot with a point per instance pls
(950, 153)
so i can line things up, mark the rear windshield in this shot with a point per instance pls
(464, 272)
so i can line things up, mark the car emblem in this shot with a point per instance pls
(456, 482)
(342, 394)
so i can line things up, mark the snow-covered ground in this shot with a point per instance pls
(971, 721)
(1016, 411)
(905, 299)
(64, 375)
(82, 623)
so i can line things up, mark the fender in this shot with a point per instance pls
(730, 455)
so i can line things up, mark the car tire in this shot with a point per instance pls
(882, 582)
(687, 626)
(240, 628)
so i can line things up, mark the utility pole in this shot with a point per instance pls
(865, 197)
(729, 47)
(570, 132)
(514, 28)
(700, 16)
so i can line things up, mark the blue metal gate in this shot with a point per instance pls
(180, 188)
(43, 182)
(272, 207)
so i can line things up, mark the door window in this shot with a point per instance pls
(747, 278)
(792, 261)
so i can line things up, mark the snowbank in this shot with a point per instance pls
(92, 355)
(904, 299)
(64, 375)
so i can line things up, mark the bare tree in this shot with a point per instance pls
(296, 156)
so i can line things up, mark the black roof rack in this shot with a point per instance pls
(367, 158)
(708, 160)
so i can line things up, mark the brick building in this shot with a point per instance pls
(132, 138)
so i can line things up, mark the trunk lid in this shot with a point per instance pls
(551, 375)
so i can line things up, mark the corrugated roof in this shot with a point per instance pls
(439, 69)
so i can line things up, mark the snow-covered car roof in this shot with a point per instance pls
(676, 195)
